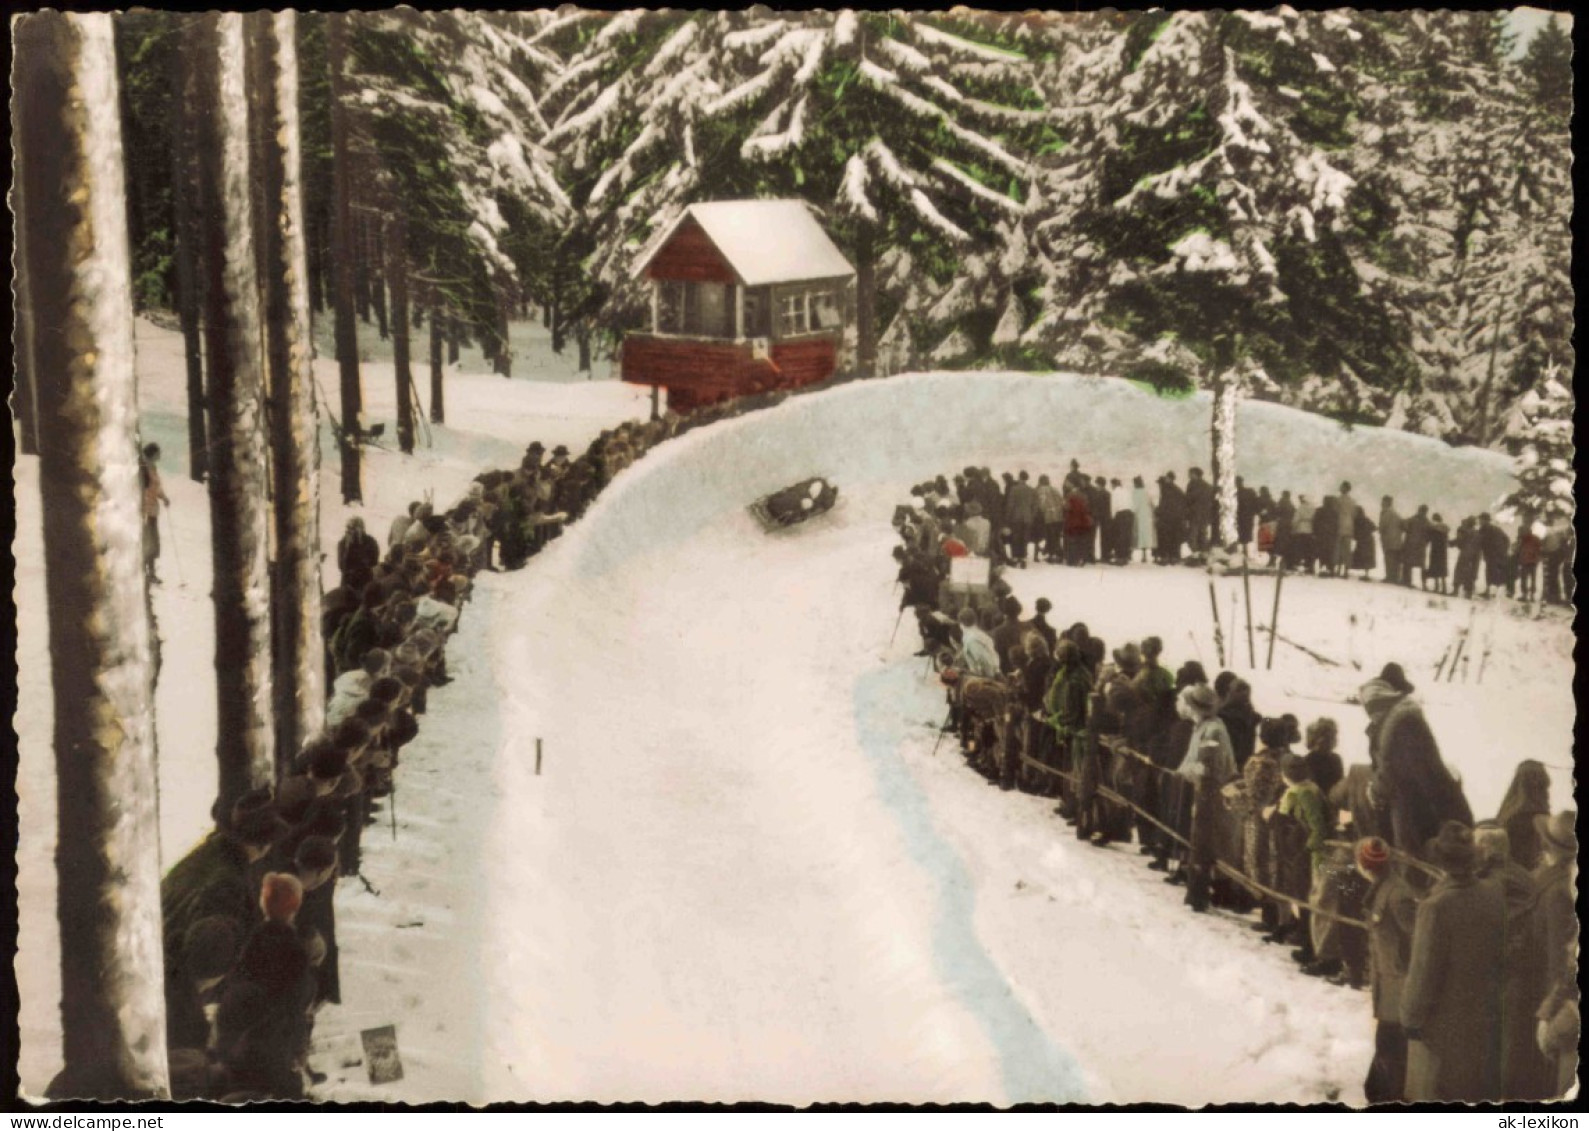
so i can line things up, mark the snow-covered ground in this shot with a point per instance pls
(742, 873)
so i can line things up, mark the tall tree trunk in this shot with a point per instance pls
(377, 275)
(298, 670)
(454, 338)
(865, 306)
(361, 258)
(24, 398)
(186, 224)
(239, 514)
(438, 404)
(502, 352)
(397, 258)
(546, 315)
(1487, 389)
(107, 853)
(582, 336)
(343, 242)
(1227, 393)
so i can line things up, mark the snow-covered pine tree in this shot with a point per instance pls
(446, 102)
(1540, 439)
(298, 657)
(235, 364)
(72, 206)
(1224, 216)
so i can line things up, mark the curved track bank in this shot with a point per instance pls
(742, 875)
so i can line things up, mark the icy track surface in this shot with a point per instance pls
(742, 873)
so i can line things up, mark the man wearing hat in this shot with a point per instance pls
(1451, 1002)
(1557, 1031)
(1525, 1073)
(1409, 776)
(1391, 913)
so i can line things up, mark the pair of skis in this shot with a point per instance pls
(1458, 653)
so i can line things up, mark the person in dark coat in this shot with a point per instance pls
(1146, 732)
(1078, 527)
(1556, 931)
(1419, 790)
(1199, 510)
(1007, 636)
(1036, 675)
(1237, 713)
(1326, 527)
(315, 864)
(1415, 547)
(357, 556)
(1436, 568)
(1495, 548)
(1246, 511)
(1390, 910)
(1526, 798)
(1525, 1073)
(193, 978)
(1065, 707)
(1465, 576)
(1363, 531)
(1101, 508)
(1171, 515)
(1040, 625)
(1451, 1001)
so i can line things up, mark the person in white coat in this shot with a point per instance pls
(1142, 513)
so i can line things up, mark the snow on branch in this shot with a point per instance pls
(852, 196)
(976, 187)
(929, 34)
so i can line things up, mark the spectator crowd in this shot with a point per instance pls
(1086, 519)
(1377, 876)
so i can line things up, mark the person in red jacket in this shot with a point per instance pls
(1528, 555)
(1078, 527)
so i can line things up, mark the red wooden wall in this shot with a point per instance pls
(697, 372)
(689, 256)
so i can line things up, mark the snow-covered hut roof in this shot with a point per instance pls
(764, 241)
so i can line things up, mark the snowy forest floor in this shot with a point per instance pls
(742, 872)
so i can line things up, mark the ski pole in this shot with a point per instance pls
(1274, 618)
(943, 730)
(1246, 588)
(897, 619)
(1219, 635)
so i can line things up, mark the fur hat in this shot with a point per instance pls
(1129, 657)
(210, 947)
(1451, 849)
(328, 763)
(1557, 833)
(1372, 854)
(1378, 695)
(1200, 697)
(1274, 733)
(1294, 768)
(280, 896)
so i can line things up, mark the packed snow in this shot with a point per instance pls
(743, 871)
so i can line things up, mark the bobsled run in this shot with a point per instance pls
(796, 504)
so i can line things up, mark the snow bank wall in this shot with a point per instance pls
(900, 430)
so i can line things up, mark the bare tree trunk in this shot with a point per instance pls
(361, 260)
(1227, 392)
(454, 339)
(582, 336)
(865, 307)
(502, 356)
(239, 515)
(397, 253)
(343, 241)
(438, 404)
(377, 276)
(108, 845)
(24, 398)
(186, 223)
(298, 671)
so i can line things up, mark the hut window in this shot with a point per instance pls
(670, 306)
(792, 318)
(825, 310)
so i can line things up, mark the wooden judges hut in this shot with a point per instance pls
(746, 296)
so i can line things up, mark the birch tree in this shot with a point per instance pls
(73, 208)
(234, 337)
